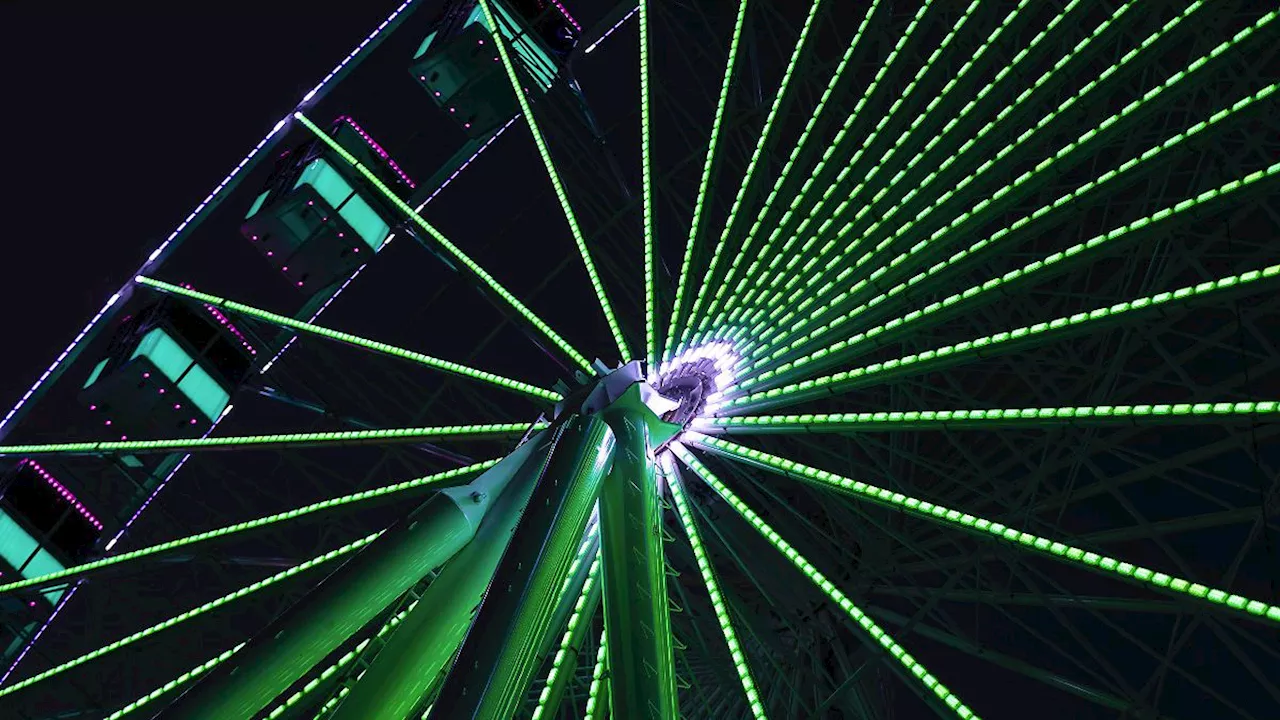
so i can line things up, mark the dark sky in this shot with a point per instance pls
(121, 118)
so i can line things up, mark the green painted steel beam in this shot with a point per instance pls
(565, 660)
(426, 482)
(495, 667)
(642, 672)
(1056, 550)
(417, 656)
(718, 604)
(351, 597)
(266, 442)
(288, 322)
(449, 247)
(910, 668)
(194, 612)
(969, 350)
(517, 88)
(991, 418)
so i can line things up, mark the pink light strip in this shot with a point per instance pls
(62, 490)
(225, 322)
(566, 15)
(392, 236)
(377, 148)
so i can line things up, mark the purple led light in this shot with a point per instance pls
(62, 490)
(611, 30)
(223, 321)
(377, 148)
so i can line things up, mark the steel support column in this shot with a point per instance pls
(348, 599)
(499, 656)
(642, 670)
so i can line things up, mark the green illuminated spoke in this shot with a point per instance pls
(964, 300)
(705, 182)
(292, 324)
(338, 665)
(796, 149)
(646, 173)
(985, 206)
(568, 641)
(260, 442)
(207, 607)
(676, 483)
(175, 683)
(954, 157)
(518, 88)
(445, 243)
(761, 143)
(984, 419)
(909, 664)
(76, 570)
(867, 141)
(1026, 541)
(805, 250)
(999, 342)
(599, 683)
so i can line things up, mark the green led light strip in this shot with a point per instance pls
(175, 683)
(909, 663)
(938, 513)
(207, 607)
(761, 142)
(253, 442)
(445, 243)
(983, 346)
(292, 324)
(597, 679)
(646, 175)
(705, 182)
(988, 418)
(676, 483)
(985, 205)
(884, 159)
(517, 87)
(76, 570)
(783, 174)
(916, 188)
(1043, 166)
(346, 659)
(567, 639)
(1072, 253)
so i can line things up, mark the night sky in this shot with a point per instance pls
(120, 120)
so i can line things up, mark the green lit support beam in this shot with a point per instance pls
(355, 340)
(496, 665)
(430, 481)
(210, 606)
(736, 653)
(1056, 550)
(417, 656)
(642, 672)
(269, 442)
(992, 418)
(598, 692)
(565, 661)
(353, 596)
(517, 87)
(449, 247)
(1001, 342)
(695, 224)
(911, 669)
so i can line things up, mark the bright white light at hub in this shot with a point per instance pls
(720, 353)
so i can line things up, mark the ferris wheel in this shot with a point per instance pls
(745, 359)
